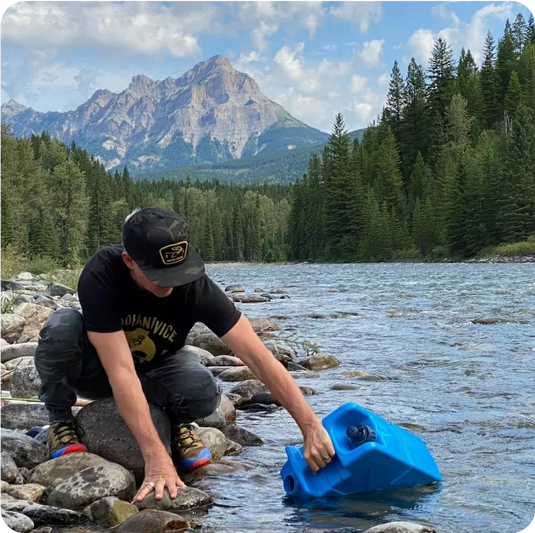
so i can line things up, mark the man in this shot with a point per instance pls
(139, 302)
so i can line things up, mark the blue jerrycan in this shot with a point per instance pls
(371, 454)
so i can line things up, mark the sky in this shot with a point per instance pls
(314, 58)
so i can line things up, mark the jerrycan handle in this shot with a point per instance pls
(360, 435)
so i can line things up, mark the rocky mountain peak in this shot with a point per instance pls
(141, 85)
(12, 108)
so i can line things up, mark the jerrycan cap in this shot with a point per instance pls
(361, 434)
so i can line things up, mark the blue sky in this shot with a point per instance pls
(314, 58)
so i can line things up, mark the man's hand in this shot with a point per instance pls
(318, 447)
(160, 473)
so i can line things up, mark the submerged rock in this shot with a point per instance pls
(235, 288)
(400, 527)
(111, 511)
(153, 521)
(250, 298)
(215, 440)
(187, 498)
(24, 450)
(343, 386)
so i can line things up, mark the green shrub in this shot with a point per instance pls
(65, 277)
(526, 247)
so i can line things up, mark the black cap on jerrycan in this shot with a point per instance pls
(360, 435)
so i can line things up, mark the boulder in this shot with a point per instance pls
(264, 398)
(16, 351)
(262, 325)
(103, 431)
(25, 382)
(215, 420)
(239, 373)
(279, 349)
(248, 388)
(8, 285)
(17, 521)
(10, 471)
(58, 289)
(12, 326)
(215, 440)
(35, 316)
(204, 355)
(153, 521)
(111, 511)
(225, 360)
(92, 484)
(47, 302)
(24, 450)
(400, 527)
(33, 492)
(233, 448)
(55, 471)
(25, 276)
(320, 361)
(343, 386)
(227, 408)
(259, 289)
(307, 391)
(187, 498)
(237, 434)
(23, 361)
(277, 291)
(23, 339)
(53, 516)
(210, 342)
(250, 298)
(235, 288)
(24, 415)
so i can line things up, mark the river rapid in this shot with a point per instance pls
(465, 388)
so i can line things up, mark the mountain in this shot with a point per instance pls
(212, 113)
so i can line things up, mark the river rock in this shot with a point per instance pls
(22, 361)
(103, 431)
(92, 484)
(35, 316)
(259, 289)
(307, 391)
(10, 471)
(4, 485)
(24, 450)
(54, 516)
(279, 349)
(235, 288)
(23, 339)
(187, 498)
(262, 325)
(24, 415)
(215, 420)
(227, 408)
(25, 382)
(25, 276)
(8, 285)
(320, 361)
(264, 398)
(210, 342)
(226, 360)
(216, 370)
(343, 386)
(215, 440)
(400, 527)
(111, 511)
(204, 355)
(58, 289)
(240, 435)
(248, 388)
(233, 448)
(12, 326)
(17, 521)
(153, 521)
(47, 302)
(55, 471)
(250, 298)
(363, 376)
(32, 492)
(23, 299)
(277, 291)
(240, 373)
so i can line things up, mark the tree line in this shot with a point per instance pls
(447, 169)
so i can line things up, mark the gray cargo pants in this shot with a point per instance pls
(68, 365)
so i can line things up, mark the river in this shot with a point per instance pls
(465, 388)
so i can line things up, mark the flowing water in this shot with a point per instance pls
(465, 388)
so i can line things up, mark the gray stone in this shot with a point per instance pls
(55, 471)
(58, 289)
(215, 440)
(33, 492)
(54, 516)
(12, 326)
(47, 302)
(187, 498)
(23, 340)
(35, 316)
(23, 299)
(237, 434)
(4, 486)
(259, 289)
(10, 471)
(239, 373)
(8, 285)
(3, 342)
(24, 450)
(103, 431)
(17, 521)
(227, 408)
(226, 360)
(262, 325)
(400, 527)
(248, 388)
(153, 521)
(111, 511)
(279, 349)
(233, 448)
(343, 386)
(235, 288)
(250, 298)
(264, 398)
(15, 351)
(320, 361)
(210, 342)
(307, 391)
(92, 484)
(12, 504)
(215, 420)
(204, 355)
(25, 382)
(25, 276)
(24, 415)
(277, 291)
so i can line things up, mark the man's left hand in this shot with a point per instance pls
(318, 447)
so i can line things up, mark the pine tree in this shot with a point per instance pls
(208, 253)
(126, 182)
(530, 30)
(519, 31)
(441, 74)
(526, 73)
(395, 100)
(42, 238)
(8, 234)
(489, 85)
(505, 64)
(513, 97)
(468, 85)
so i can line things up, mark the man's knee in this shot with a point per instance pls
(203, 394)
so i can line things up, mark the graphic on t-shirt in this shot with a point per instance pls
(141, 345)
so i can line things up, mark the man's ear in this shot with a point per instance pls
(129, 262)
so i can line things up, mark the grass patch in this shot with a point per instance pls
(68, 277)
(526, 247)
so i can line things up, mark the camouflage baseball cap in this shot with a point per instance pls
(159, 242)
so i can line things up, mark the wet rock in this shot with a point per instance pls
(262, 325)
(281, 317)
(25, 382)
(12, 326)
(35, 316)
(227, 408)
(204, 355)
(23, 415)
(363, 376)
(343, 386)
(265, 398)
(317, 316)
(307, 391)
(218, 469)
(296, 367)
(215, 440)
(58, 289)
(488, 321)
(240, 373)
(400, 527)
(233, 448)
(32, 492)
(55, 471)
(53, 516)
(250, 298)
(248, 388)
(17, 521)
(92, 484)
(16, 351)
(153, 521)
(24, 450)
(111, 511)
(210, 342)
(226, 360)
(277, 291)
(240, 435)
(10, 471)
(320, 361)
(235, 288)
(215, 420)
(279, 349)
(187, 498)
(259, 407)
(8, 285)
(259, 290)
(103, 431)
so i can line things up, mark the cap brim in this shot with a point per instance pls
(191, 269)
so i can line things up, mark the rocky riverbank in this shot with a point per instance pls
(91, 491)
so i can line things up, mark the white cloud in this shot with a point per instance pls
(363, 14)
(383, 80)
(421, 44)
(358, 83)
(372, 53)
(441, 11)
(363, 112)
(330, 48)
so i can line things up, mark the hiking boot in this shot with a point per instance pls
(189, 451)
(62, 439)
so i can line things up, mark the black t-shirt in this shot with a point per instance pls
(112, 301)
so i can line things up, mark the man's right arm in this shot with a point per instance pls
(114, 353)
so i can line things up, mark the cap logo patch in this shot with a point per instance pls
(174, 253)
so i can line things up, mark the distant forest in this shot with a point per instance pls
(446, 170)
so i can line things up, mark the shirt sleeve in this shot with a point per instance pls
(98, 305)
(213, 307)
